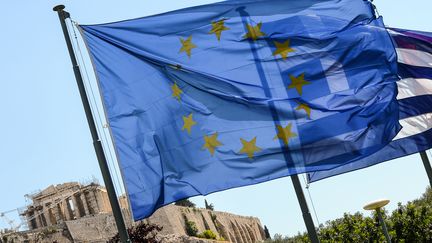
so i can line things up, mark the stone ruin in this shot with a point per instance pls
(231, 227)
(72, 212)
(64, 202)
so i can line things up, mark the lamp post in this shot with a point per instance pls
(377, 205)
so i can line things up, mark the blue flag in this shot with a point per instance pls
(414, 49)
(230, 94)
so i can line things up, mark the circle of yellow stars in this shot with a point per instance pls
(253, 33)
(283, 49)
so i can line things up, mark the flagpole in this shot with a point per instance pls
(63, 15)
(427, 165)
(307, 217)
(313, 236)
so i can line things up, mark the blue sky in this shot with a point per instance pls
(45, 138)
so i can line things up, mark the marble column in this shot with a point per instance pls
(29, 224)
(58, 212)
(76, 211)
(52, 214)
(31, 220)
(96, 205)
(66, 209)
(101, 203)
(39, 221)
(46, 214)
(84, 204)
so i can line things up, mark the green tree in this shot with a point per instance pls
(408, 223)
(266, 232)
(208, 206)
(185, 203)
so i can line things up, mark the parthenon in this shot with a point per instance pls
(63, 202)
(73, 212)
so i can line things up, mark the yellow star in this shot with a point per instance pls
(249, 148)
(254, 32)
(211, 142)
(188, 122)
(176, 91)
(285, 133)
(187, 45)
(298, 83)
(305, 107)
(282, 49)
(218, 27)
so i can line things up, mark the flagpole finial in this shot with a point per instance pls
(59, 8)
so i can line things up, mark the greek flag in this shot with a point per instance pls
(414, 49)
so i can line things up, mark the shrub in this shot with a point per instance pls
(142, 233)
(207, 234)
(191, 228)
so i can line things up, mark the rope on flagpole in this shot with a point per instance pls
(94, 107)
(106, 146)
(310, 199)
(430, 155)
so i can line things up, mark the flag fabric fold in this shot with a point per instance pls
(236, 93)
(414, 49)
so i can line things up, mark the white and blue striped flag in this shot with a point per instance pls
(414, 50)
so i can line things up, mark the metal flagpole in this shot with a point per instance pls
(63, 15)
(383, 225)
(427, 165)
(377, 205)
(313, 236)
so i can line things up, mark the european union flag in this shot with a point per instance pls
(230, 94)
